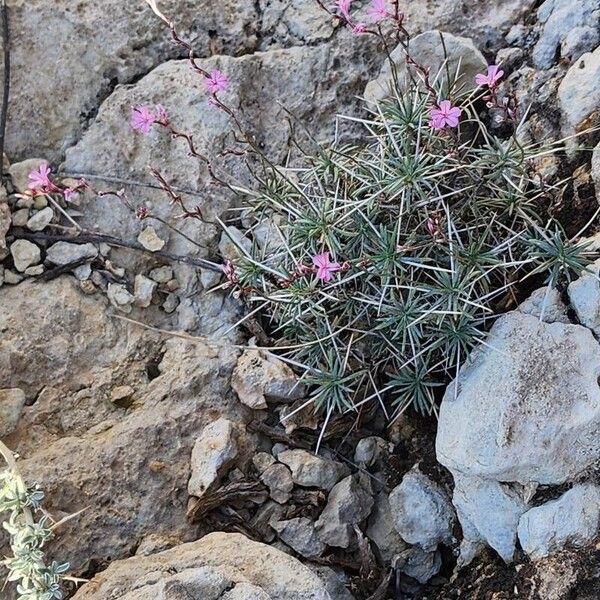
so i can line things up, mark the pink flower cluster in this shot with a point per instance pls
(40, 183)
(217, 82)
(444, 115)
(378, 10)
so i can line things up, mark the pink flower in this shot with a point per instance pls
(494, 73)
(217, 82)
(344, 8)
(378, 11)
(324, 266)
(40, 179)
(69, 194)
(444, 115)
(359, 28)
(142, 119)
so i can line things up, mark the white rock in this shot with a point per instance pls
(260, 376)
(584, 294)
(348, 504)
(214, 451)
(34, 271)
(579, 92)
(120, 297)
(545, 304)
(20, 217)
(310, 470)
(571, 520)
(83, 272)
(143, 288)
(422, 512)
(428, 49)
(161, 274)
(63, 253)
(150, 240)
(12, 402)
(489, 513)
(528, 404)
(40, 220)
(381, 529)
(571, 26)
(300, 535)
(24, 254)
(19, 172)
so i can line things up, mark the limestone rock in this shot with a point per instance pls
(206, 568)
(214, 451)
(300, 535)
(150, 240)
(489, 513)
(579, 93)
(233, 244)
(12, 402)
(528, 404)
(120, 297)
(143, 291)
(348, 504)
(19, 172)
(547, 305)
(369, 449)
(571, 520)
(571, 27)
(419, 564)
(428, 49)
(24, 254)
(584, 294)
(278, 479)
(63, 253)
(41, 219)
(311, 470)
(260, 376)
(5, 222)
(381, 529)
(421, 510)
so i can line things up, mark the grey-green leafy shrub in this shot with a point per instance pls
(434, 230)
(35, 580)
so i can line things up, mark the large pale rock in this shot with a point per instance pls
(571, 27)
(421, 510)
(584, 294)
(571, 520)
(104, 44)
(489, 513)
(381, 530)
(579, 93)
(129, 466)
(453, 54)
(527, 407)
(205, 569)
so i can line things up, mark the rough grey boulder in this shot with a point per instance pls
(300, 535)
(571, 520)
(527, 407)
(568, 30)
(458, 54)
(381, 530)
(210, 568)
(421, 510)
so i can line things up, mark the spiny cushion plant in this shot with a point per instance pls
(387, 262)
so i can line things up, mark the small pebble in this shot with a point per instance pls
(122, 395)
(24, 254)
(34, 271)
(150, 240)
(20, 217)
(40, 220)
(161, 274)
